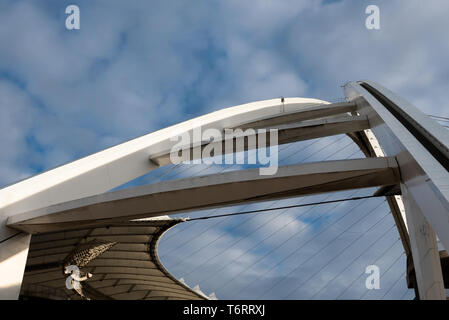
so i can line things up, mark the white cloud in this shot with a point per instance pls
(15, 122)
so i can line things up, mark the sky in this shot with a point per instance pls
(133, 68)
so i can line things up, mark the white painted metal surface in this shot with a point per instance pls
(209, 191)
(424, 181)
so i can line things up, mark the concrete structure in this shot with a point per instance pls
(412, 156)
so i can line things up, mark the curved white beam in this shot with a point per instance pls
(117, 165)
(421, 147)
(421, 171)
(104, 171)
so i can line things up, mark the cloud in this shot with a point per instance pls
(14, 125)
(332, 46)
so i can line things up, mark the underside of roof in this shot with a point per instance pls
(117, 261)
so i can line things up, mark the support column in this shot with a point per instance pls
(13, 256)
(424, 249)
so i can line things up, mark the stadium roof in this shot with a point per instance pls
(122, 259)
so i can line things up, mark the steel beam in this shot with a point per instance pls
(222, 189)
(420, 146)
